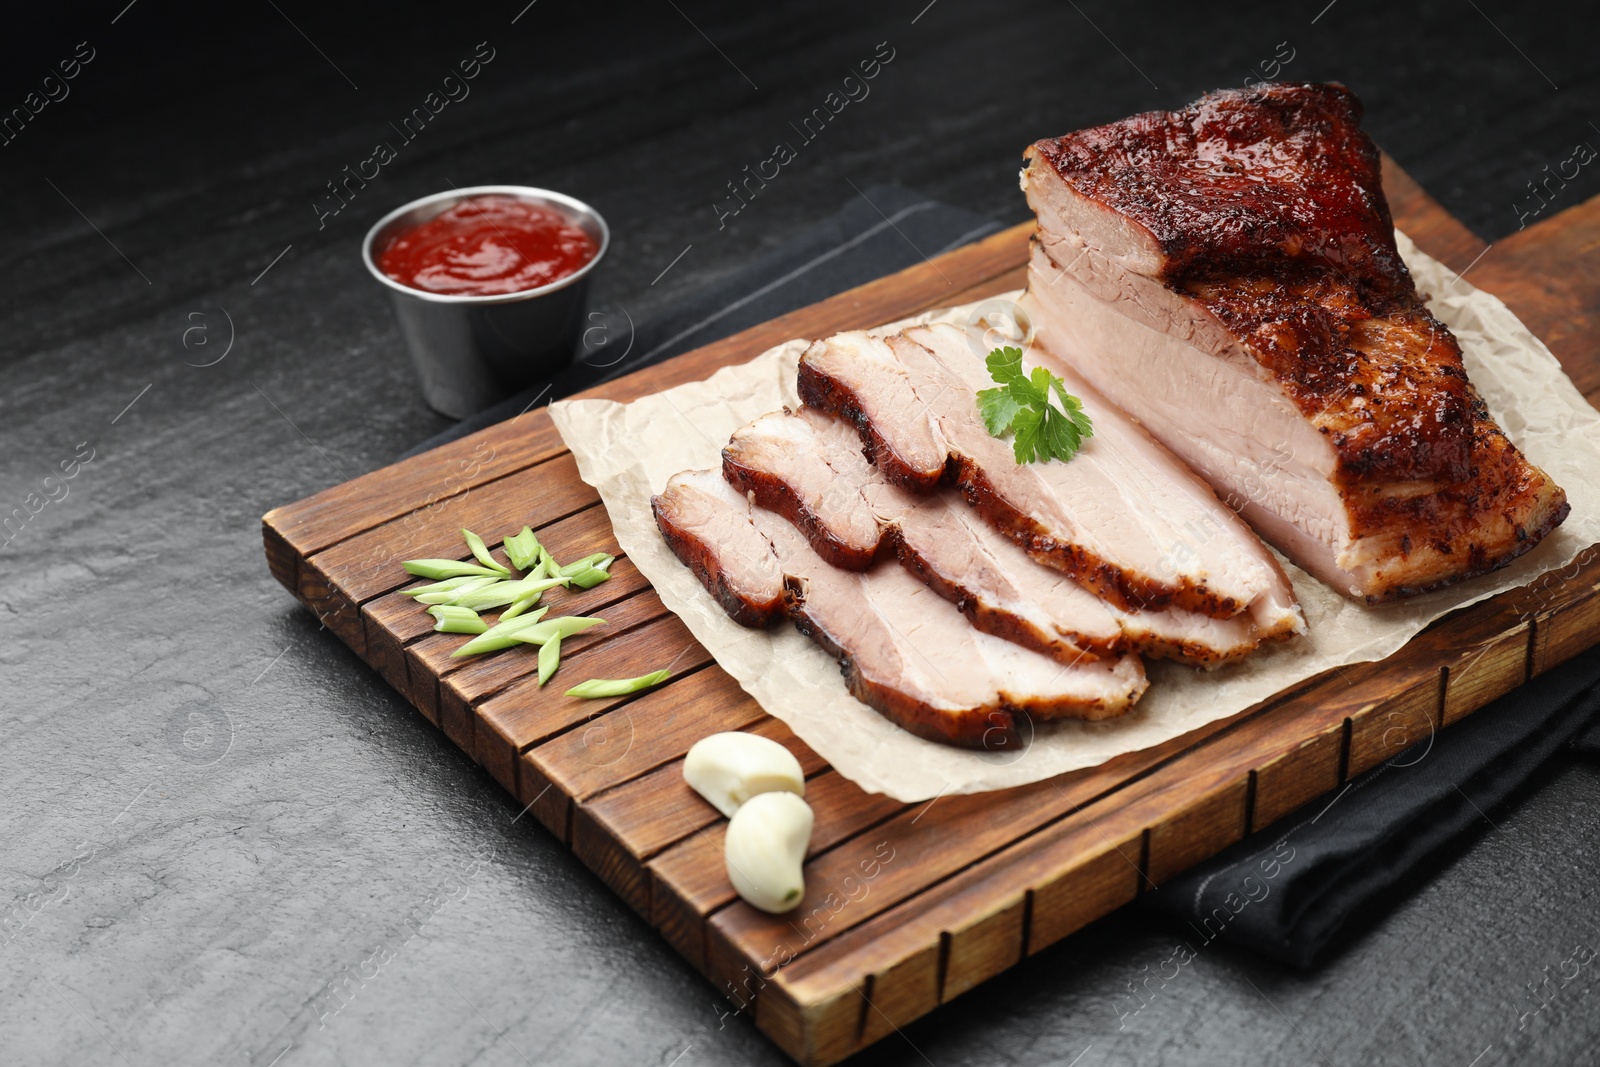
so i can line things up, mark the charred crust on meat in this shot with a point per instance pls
(1129, 591)
(820, 390)
(701, 560)
(777, 495)
(1268, 206)
(1278, 173)
(967, 728)
(1063, 647)
(1227, 191)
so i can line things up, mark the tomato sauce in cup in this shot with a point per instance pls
(487, 246)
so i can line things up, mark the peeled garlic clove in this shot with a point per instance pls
(730, 768)
(766, 843)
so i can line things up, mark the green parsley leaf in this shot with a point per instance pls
(1021, 407)
(998, 408)
(1005, 365)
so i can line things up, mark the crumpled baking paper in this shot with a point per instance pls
(628, 451)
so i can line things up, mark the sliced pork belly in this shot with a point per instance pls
(904, 650)
(1124, 517)
(780, 460)
(707, 525)
(1228, 274)
(855, 376)
(809, 468)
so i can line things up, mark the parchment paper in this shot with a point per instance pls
(628, 451)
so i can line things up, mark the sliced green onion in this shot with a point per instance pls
(449, 596)
(617, 687)
(445, 586)
(565, 626)
(589, 577)
(498, 636)
(454, 620)
(549, 659)
(522, 549)
(480, 552)
(582, 564)
(448, 568)
(519, 606)
(548, 561)
(503, 593)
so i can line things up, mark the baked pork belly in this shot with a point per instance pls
(1124, 517)
(1228, 274)
(810, 469)
(904, 650)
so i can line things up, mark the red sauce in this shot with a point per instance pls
(487, 245)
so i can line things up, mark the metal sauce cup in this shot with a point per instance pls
(472, 351)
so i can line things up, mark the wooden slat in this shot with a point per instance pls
(417, 485)
(368, 566)
(1549, 275)
(1388, 726)
(512, 721)
(623, 743)
(917, 903)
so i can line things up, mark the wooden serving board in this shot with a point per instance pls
(906, 906)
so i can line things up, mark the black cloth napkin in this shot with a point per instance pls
(1290, 890)
(884, 229)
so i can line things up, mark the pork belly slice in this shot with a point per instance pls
(810, 468)
(904, 650)
(708, 528)
(1124, 517)
(856, 376)
(1228, 274)
(782, 461)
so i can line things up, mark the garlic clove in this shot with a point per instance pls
(730, 768)
(766, 844)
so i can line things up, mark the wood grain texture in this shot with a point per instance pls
(907, 906)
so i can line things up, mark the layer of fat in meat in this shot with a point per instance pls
(865, 365)
(965, 552)
(902, 635)
(1123, 497)
(707, 508)
(1236, 429)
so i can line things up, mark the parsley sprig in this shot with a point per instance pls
(1021, 406)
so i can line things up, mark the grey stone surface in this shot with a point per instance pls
(212, 815)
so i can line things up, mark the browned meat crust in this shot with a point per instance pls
(777, 495)
(743, 606)
(820, 390)
(1128, 590)
(991, 729)
(1266, 206)
(1503, 508)
(1278, 176)
(1000, 725)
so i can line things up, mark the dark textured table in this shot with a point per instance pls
(227, 841)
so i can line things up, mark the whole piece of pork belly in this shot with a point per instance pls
(904, 650)
(810, 469)
(1228, 274)
(1124, 517)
